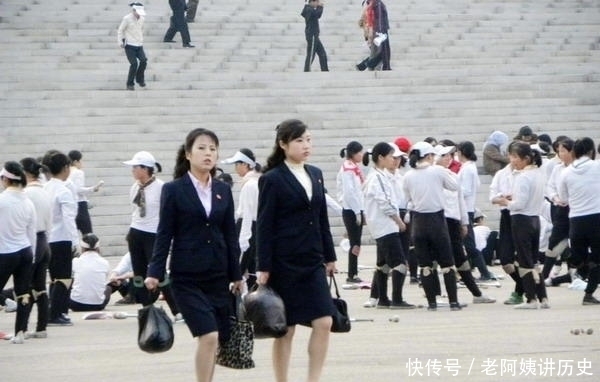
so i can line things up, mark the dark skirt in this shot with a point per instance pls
(204, 305)
(304, 291)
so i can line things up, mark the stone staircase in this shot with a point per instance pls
(461, 69)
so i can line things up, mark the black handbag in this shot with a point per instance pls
(265, 309)
(155, 330)
(341, 319)
(236, 353)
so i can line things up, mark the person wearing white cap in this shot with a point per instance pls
(249, 170)
(63, 237)
(130, 36)
(424, 187)
(17, 240)
(90, 271)
(385, 224)
(457, 221)
(144, 196)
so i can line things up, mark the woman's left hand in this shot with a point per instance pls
(330, 268)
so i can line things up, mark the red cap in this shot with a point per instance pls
(403, 144)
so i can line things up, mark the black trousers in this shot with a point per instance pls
(315, 47)
(38, 281)
(506, 246)
(83, 220)
(136, 71)
(526, 236)
(178, 23)
(431, 239)
(17, 265)
(560, 225)
(354, 231)
(141, 244)
(389, 250)
(585, 246)
(248, 258)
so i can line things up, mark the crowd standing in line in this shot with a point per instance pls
(294, 249)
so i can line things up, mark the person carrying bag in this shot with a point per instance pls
(236, 353)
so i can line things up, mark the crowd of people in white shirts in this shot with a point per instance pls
(417, 201)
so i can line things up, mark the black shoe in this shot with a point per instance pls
(130, 87)
(169, 41)
(414, 280)
(142, 84)
(59, 321)
(65, 317)
(354, 280)
(402, 305)
(383, 304)
(455, 306)
(189, 45)
(589, 299)
(361, 67)
(432, 307)
(127, 300)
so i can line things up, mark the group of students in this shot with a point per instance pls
(43, 208)
(429, 207)
(561, 191)
(423, 196)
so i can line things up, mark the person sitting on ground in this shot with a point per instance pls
(486, 240)
(90, 271)
(121, 280)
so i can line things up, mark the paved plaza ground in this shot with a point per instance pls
(480, 343)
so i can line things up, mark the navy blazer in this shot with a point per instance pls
(291, 230)
(205, 246)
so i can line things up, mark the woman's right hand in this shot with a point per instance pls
(151, 283)
(262, 278)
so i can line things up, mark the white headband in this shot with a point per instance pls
(9, 175)
(85, 245)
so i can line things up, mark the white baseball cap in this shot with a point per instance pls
(443, 150)
(239, 157)
(139, 9)
(397, 152)
(141, 158)
(424, 148)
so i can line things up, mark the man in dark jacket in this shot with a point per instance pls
(312, 13)
(178, 24)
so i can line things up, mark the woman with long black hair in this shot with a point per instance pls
(294, 245)
(197, 223)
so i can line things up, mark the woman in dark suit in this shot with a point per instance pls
(294, 245)
(196, 219)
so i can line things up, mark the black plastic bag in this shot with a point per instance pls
(236, 353)
(340, 319)
(265, 309)
(155, 334)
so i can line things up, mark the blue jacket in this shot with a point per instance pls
(292, 232)
(204, 246)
